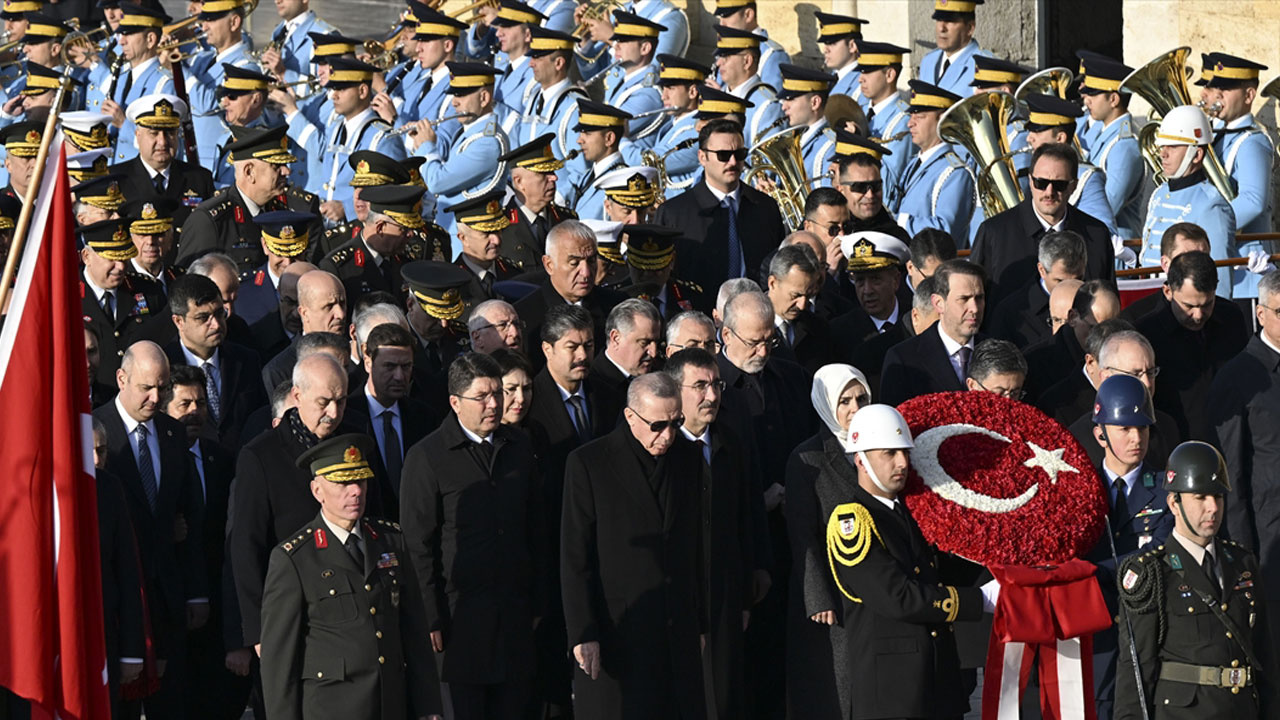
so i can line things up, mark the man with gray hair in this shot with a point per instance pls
(271, 496)
(729, 290)
(795, 276)
(632, 333)
(494, 324)
(387, 242)
(366, 319)
(147, 451)
(570, 261)
(273, 331)
(1074, 309)
(691, 329)
(633, 595)
(1023, 316)
(1245, 395)
(221, 269)
(766, 399)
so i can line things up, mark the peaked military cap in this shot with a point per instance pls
(871, 250)
(876, 55)
(483, 212)
(926, 97)
(138, 18)
(954, 10)
(266, 144)
(468, 77)
(43, 28)
(833, 27)
(434, 24)
(149, 215)
(713, 103)
(102, 192)
(90, 164)
(110, 239)
(331, 45)
(1050, 111)
(513, 12)
(284, 232)
(598, 116)
(731, 41)
(630, 26)
(535, 155)
(157, 110)
(373, 168)
(544, 41)
(85, 129)
(797, 81)
(1230, 71)
(237, 81)
(675, 70)
(23, 139)
(16, 9)
(650, 247)
(401, 203)
(634, 187)
(848, 144)
(1102, 75)
(993, 71)
(436, 287)
(341, 459)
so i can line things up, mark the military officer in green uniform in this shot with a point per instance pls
(224, 222)
(371, 168)
(651, 254)
(532, 210)
(343, 624)
(478, 222)
(371, 261)
(1193, 610)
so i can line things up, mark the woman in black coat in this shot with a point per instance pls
(820, 476)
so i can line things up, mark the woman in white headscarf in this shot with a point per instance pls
(819, 477)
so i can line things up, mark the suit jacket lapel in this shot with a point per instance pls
(122, 450)
(557, 412)
(938, 359)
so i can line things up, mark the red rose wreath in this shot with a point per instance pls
(999, 483)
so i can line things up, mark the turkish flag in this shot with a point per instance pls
(52, 649)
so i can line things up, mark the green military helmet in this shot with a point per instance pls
(1197, 467)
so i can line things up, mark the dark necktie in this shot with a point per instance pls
(391, 449)
(702, 450)
(146, 470)
(900, 510)
(871, 113)
(354, 550)
(278, 36)
(426, 88)
(128, 84)
(735, 244)
(1210, 566)
(963, 356)
(1120, 508)
(946, 65)
(341, 137)
(109, 306)
(159, 183)
(485, 451)
(540, 229)
(486, 282)
(211, 390)
(911, 171)
(579, 412)
(541, 103)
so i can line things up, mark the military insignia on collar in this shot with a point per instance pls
(326, 574)
(1175, 562)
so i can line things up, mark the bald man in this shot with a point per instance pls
(271, 497)
(276, 327)
(322, 307)
(147, 450)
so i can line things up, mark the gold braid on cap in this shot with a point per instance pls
(289, 243)
(448, 306)
(649, 256)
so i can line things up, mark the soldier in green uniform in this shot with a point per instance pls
(343, 624)
(532, 210)
(1192, 609)
(223, 223)
(370, 168)
(372, 260)
(478, 222)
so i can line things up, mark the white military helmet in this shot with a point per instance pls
(878, 427)
(1184, 125)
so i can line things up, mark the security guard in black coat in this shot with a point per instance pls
(651, 256)
(479, 220)
(1192, 608)
(372, 261)
(901, 658)
(136, 308)
(342, 617)
(222, 223)
(525, 237)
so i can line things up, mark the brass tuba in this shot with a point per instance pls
(1163, 84)
(659, 163)
(780, 154)
(1050, 81)
(979, 124)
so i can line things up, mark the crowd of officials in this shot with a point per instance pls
(432, 379)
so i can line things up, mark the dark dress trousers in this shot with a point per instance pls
(1006, 245)
(472, 523)
(631, 579)
(702, 253)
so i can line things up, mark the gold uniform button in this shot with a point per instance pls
(319, 675)
(368, 588)
(1228, 633)
(1223, 607)
(933, 633)
(382, 660)
(332, 591)
(1191, 609)
(378, 634)
(1235, 663)
(1235, 691)
(373, 611)
(917, 569)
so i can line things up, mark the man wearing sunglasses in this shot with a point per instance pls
(727, 227)
(1007, 244)
(629, 548)
(861, 176)
(1053, 120)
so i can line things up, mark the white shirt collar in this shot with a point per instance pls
(143, 271)
(705, 437)
(885, 103)
(720, 196)
(893, 317)
(741, 90)
(1268, 343)
(152, 172)
(136, 70)
(1245, 120)
(222, 56)
(439, 74)
(621, 369)
(131, 425)
(254, 208)
(927, 155)
(338, 533)
(215, 359)
(1197, 552)
(601, 166)
(891, 504)
(466, 127)
(841, 72)
(812, 130)
(565, 394)
(291, 25)
(353, 124)
(952, 346)
(1130, 478)
(474, 437)
(1056, 227)
(97, 291)
(515, 64)
(555, 87)
(275, 279)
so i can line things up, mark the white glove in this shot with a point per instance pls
(1127, 257)
(1260, 262)
(1117, 244)
(990, 593)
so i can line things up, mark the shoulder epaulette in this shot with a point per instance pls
(219, 207)
(341, 228)
(300, 193)
(691, 285)
(385, 524)
(1140, 580)
(415, 249)
(490, 129)
(341, 255)
(292, 545)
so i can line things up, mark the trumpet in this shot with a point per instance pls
(1210, 110)
(13, 45)
(456, 14)
(412, 127)
(595, 10)
(659, 162)
(655, 113)
(174, 42)
(892, 138)
(600, 75)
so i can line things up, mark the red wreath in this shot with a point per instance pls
(1037, 512)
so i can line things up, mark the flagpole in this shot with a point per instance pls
(33, 189)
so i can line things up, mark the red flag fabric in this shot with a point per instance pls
(52, 650)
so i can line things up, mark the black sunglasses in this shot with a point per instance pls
(862, 187)
(723, 155)
(1045, 183)
(661, 425)
(835, 229)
